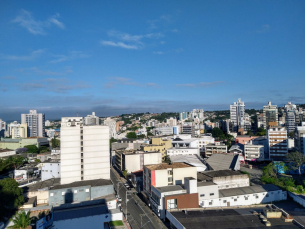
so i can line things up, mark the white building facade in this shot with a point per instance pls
(35, 123)
(50, 170)
(277, 143)
(112, 127)
(84, 151)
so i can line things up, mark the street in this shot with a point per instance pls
(139, 215)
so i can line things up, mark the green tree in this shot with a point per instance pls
(125, 173)
(55, 142)
(131, 135)
(291, 134)
(166, 159)
(32, 148)
(37, 160)
(21, 220)
(250, 133)
(10, 196)
(296, 160)
(111, 140)
(218, 133)
(149, 134)
(16, 162)
(261, 132)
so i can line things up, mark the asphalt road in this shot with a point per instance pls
(136, 209)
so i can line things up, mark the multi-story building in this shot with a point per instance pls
(254, 152)
(237, 114)
(84, 151)
(270, 115)
(277, 143)
(188, 129)
(183, 115)
(183, 151)
(47, 123)
(299, 138)
(290, 121)
(50, 169)
(159, 144)
(164, 174)
(196, 113)
(35, 123)
(19, 131)
(217, 147)
(2, 128)
(171, 121)
(168, 130)
(134, 160)
(112, 127)
(92, 119)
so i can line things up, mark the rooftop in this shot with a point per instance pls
(92, 183)
(227, 218)
(209, 175)
(248, 190)
(169, 188)
(174, 165)
(207, 183)
(219, 161)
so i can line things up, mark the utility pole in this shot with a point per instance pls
(126, 202)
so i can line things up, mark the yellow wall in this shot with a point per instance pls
(23, 130)
(159, 145)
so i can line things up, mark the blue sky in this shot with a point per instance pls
(114, 57)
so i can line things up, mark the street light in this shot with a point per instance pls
(126, 202)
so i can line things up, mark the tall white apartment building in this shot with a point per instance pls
(112, 127)
(270, 115)
(299, 138)
(196, 113)
(277, 143)
(237, 114)
(35, 122)
(19, 131)
(84, 151)
(2, 125)
(92, 119)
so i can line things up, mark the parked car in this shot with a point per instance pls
(119, 199)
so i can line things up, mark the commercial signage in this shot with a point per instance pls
(45, 222)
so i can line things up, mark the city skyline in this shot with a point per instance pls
(112, 58)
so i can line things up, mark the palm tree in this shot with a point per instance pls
(21, 220)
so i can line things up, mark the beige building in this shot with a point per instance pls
(134, 160)
(164, 174)
(277, 141)
(20, 131)
(217, 147)
(254, 152)
(158, 144)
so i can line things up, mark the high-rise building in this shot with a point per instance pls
(299, 138)
(290, 118)
(270, 115)
(84, 151)
(237, 114)
(277, 143)
(2, 128)
(92, 119)
(19, 131)
(183, 115)
(112, 127)
(171, 121)
(35, 123)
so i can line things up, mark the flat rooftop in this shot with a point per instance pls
(92, 183)
(209, 175)
(248, 190)
(174, 165)
(208, 183)
(227, 218)
(169, 188)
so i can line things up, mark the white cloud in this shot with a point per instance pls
(162, 42)
(60, 85)
(201, 84)
(8, 77)
(263, 29)
(27, 21)
(35, 70)
(119, 44)
(128, 41)
(31, 56)
(159, 53)
(164, 19)
(175, 30)
(73, 55)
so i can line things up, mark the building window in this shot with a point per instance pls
(224, 201)
(172, 204)
(211, 194)
(87, 189)
(201, 195)
(246, 198)
(210, 203)
(170, 179)
(267, 195)
(235, 200)
(170, 172)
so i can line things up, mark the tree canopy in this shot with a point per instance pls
(21, 220)
(296, 161)
(10, 196)
(131, 135)
(32, 148)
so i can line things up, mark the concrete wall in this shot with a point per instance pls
(234, 181)
(161, 178)
(50, 170)
(132, 162)
(242, 200)
(42, 196)
(180, 173)
(204, 192)
(101, 191)
(152, 158)
(297, 198)
(8, 153)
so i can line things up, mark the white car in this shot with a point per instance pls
(119, 199)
